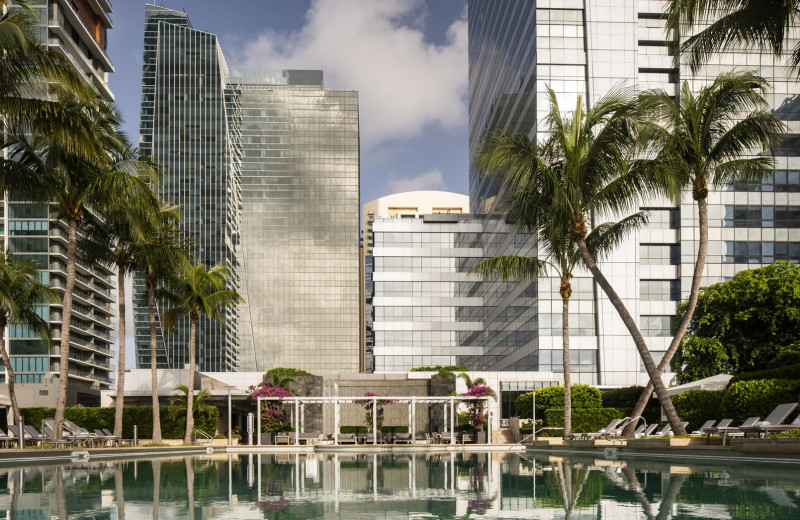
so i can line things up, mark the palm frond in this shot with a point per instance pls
(510, 268)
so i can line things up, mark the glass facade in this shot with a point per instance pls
(516, 50)
(298, 147)
(32, 231)
(184, 126)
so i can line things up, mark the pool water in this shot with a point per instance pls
(422, 485)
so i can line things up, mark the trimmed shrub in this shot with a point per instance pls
(698, 406)
(394, 429)
(785, 372)
(173, 419)
(523, 407)
(584, 420)
(583, 396)
(353, 429)
(625, 399)
(759, 397)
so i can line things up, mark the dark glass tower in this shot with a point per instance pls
(184, 127)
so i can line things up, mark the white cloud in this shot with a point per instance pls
(378, 49)
(430, 180)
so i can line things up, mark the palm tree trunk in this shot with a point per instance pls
(638, 340)
(9, 373)
(566, 292)
(63, 373)
(694, 294)
(120, 404)
(187, 439)
(190, 486)
(151, 316)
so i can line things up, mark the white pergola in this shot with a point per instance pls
(298, 419)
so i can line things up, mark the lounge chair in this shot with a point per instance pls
(647, 431)
(612, 426)
(446, 438)
(735, 431)
(49, 428)
(773, 423)
(348, 438)
(724, 423)
(32, 437)
(104, 438)
(80, 435)
(7, 439)
(666, 430)
(31, 431)
(402, 438)
(702, 429)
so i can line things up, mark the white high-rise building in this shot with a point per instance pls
(517, 49)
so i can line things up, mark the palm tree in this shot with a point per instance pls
(276, 380)
(561, 254)
(40, 168)
(200, 401)
(36, 83)
(701, 137)
(161, 253)
(113, 240)
(21, 293)
(195, 291)
(730, 24)
(471, 382)
(587, 166)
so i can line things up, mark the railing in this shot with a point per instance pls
(201, 437)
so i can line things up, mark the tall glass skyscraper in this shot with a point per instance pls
(265, 164)
(78, 31)
(299, 149)
(184, 126)
(518, 48)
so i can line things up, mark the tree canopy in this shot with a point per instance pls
(742, 325)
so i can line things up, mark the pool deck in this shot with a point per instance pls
(786, 451)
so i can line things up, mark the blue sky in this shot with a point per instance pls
(407, 59)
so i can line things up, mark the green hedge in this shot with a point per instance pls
(698, 406)
(583, 396)
(786, 372)
(584, 420)
(625, 399)
(759, 397)
(173, 419)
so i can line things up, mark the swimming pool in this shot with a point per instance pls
(413, 485)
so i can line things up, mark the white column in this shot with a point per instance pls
(230, 435)
(336, 424)
(452, 421)
(374, 421)
(302, 417)
(489, 417)
(413, 420)
(296, 423)
(409, 417)
(258, 423)
(444, 407)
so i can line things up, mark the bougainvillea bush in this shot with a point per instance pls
(380, 412)
(475, 409)
(273, 416)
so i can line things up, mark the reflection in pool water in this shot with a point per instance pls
(432, 485)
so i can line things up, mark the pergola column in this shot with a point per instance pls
(258, 422)
(374, 421)
(336, 421)
(296, 423)
(413, 420)
(302, 417)
(452, 421)
(444, 417)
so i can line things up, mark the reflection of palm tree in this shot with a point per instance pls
(156, 465)
(564, 475)
(119, 490)
(675, 485)
(636, 487)
(190, 486)
(61, 496)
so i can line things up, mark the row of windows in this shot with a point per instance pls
(656, 326)
(762, 216)
(659, 254)
(28, 227)
(744, 252)
(417, 338)
(30, 364)
(419, 289)
(580, 361)
(406, 363)
(579, 324)
(663, 218)
(783, 181)
(407, 264)
(659, 290)
(419, 239)
(414, 313)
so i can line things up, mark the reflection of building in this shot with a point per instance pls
(419, 246)
(78, 31)
(516, 50)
